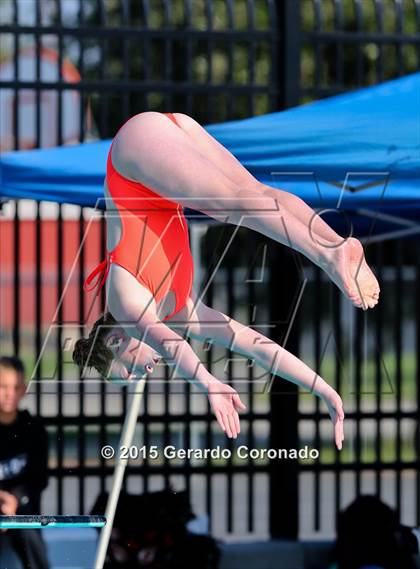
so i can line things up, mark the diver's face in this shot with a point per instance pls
(132, 358)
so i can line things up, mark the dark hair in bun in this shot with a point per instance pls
(91, 351)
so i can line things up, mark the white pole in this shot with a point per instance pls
(125, 440)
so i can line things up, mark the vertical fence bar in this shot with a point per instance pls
(168, 57)
(276, 68)
(146, 54)
(60, 76)
(60, 261)
(209, 52)
(169, 106)
(103, 433)
(230, 47)
(398, 363)
(359, 53)
(16, 280)
(379, 12)
(81, 433)
(38, 244)
(38, 305)
(81, 63)
(230, 310)
(146, 436)
(417, 10)
(338, 345)
(358, 369)
(187, 403)
(104, 94)
(283, 415)
(289, 56)
(187, 437)
(251, 435)
(317, 350)
(379, 260)
(126, 102)
(189, 43)
(38, 76)
(317, 47)
(251, 60)
(166, 432)
(16, 221)
(16, 68)
(59, 323)
(209, 417)
(417, 374)
(399, 29)
(339, 67)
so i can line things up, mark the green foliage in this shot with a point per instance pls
(201, 72)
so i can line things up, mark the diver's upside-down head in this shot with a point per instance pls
(93, 351)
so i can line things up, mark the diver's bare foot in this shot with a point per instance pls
(347, 268)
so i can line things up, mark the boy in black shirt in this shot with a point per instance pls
(23, 464)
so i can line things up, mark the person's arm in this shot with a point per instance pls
(176, 351)
(224, 400)
(137, 315)
(133, 307)
(210, 324)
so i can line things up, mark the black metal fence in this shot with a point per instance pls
(219, 61)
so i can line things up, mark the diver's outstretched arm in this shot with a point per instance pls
(135, 311)
(205, 323)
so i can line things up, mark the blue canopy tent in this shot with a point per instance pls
(357, 153)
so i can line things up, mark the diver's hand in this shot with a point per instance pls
(133, 363)
(335, 409)
(225, 403)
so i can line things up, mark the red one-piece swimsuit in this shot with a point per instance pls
(154, 244)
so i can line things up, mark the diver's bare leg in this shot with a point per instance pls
(226, 162)
(342, 256)
(152, 149)
(344, 261)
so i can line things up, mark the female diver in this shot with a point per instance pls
(158, 164)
